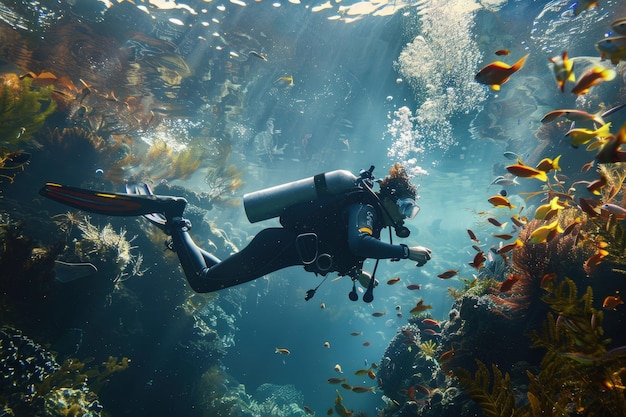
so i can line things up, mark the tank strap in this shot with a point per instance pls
(320, 185)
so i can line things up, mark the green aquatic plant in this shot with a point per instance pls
(75, 374)
(495, 395)
(24, 107)
(472, 287)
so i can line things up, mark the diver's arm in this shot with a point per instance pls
(362, 220)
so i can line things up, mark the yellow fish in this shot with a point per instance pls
(545, 233)
(563, 69)
(287, 81)
(582, 136)
(547, 164)
(524, 171)
(547, 211)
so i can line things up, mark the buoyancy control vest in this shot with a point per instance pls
(316, 205)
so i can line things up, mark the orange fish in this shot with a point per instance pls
(503, 52)
(448, 274)
(593, 77)
(547, 278)
(420, 306)
(446, 356)
(524, 171)
(500, 201)
(611, 302)
(582, 5)
(610, 151)
(507, 248)
(547, 164)
(498, 73)
(479, 260)
(508, 283)
(392, 281)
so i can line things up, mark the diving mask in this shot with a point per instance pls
(407, 207)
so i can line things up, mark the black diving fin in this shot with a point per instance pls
(114, 204)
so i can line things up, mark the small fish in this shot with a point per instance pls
(420, 307)
(282, 351)
(572, 115)
(322, 306)
(366, 344)
(500, 201)
(547, 164)
(392, 281)
(613, 48)
(446, 356)
(611, 152)
(508, 283)
(360, 389)
(379, 313)
(479, 260)
(336, 380)
(549, 210)
(582, 5)
(448, 274)
(511, 155)
(524, 171)
(588, 205)
(519, 221)
(503, 236)
(356, 333)
(591, 78)
(563, 69)
(327, 345)
(361, 372)
(258, 55)
(498, 73)
(614, 208)
(430, 322)
(547, 278)
(495, 222)
(308, 410)
(545, 233)
(472, 236)
(582, 136)
(338, 369)
(503, 52)
(413, 287)
(570, 227)
(507, 248)
(611, 302)
(287, 81)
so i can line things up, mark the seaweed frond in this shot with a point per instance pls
(495, 395)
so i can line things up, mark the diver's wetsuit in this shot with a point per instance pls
(275, 248)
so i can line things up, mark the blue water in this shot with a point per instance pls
(190, 66)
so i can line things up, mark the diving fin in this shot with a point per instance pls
(114, 204)
(157, 219)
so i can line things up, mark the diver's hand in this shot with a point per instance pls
(419, 254)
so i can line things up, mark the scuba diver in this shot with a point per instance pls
(330, 223)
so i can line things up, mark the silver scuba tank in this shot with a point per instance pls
(270, 202)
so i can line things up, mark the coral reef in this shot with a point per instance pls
(33, 383)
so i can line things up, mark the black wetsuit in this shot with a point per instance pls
(275, 248)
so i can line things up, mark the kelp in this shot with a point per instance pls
(495, 395)
(24, 107)
(576, 374)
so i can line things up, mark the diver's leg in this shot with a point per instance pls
(270, 250)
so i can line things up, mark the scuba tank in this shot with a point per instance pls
(270, 202)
